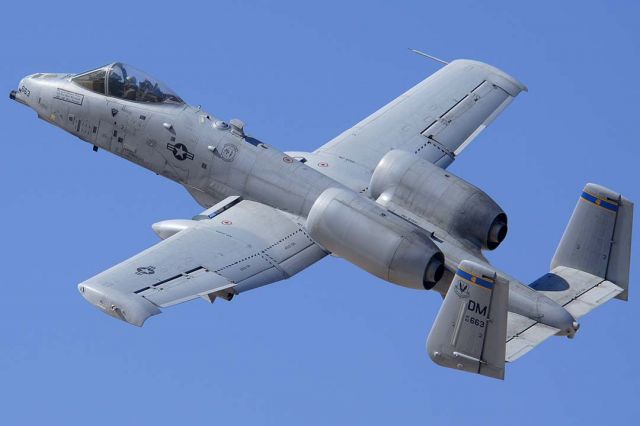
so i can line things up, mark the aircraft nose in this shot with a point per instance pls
(24, 93)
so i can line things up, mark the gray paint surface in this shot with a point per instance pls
(377, 195)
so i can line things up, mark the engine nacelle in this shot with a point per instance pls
(361, 231)
(438, 196)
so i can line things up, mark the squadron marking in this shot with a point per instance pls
(228, 152)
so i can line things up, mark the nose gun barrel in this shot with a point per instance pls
(14, 95)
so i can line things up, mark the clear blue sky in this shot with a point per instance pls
(333, 345)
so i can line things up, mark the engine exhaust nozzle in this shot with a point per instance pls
(497, 231)
(434, 271)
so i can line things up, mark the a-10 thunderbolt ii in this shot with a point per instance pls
(378, 195)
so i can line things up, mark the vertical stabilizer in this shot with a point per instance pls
(597, 239)
(470, 329)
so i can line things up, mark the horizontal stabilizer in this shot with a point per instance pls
(524, 334)
(577, 291)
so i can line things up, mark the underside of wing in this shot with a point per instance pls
(234, 246)
(435, 120)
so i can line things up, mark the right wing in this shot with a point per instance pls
(435, 119)
(234, 246)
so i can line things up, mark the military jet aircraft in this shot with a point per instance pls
(378, 195)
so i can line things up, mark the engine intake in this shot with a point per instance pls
(439, 197)
(363, 232)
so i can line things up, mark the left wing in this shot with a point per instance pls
(234, 246)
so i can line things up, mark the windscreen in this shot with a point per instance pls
(92, 80)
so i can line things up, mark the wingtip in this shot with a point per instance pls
(129, 308)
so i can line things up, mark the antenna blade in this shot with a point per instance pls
(426, 55)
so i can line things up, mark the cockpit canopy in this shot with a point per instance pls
(126, 82)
